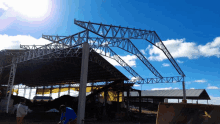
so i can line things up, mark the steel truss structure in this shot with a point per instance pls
(112, 31)
(110, 36)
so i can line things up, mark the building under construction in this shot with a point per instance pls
(73, 62)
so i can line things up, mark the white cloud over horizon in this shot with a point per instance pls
(180, 48)
(166, 88)
(165, 65)
(200, 81)
(179, 61)
(13, 42)
(211, 87)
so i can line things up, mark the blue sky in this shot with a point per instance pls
(189, 29)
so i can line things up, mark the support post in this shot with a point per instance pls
(69, 89)
(117, 101)
(11, 81)
(139, 103)
(24, 91)
(59, 90)
(51, 89)
(18, 89)
(43, 92)
(83, 81)
(127, 101)
(184, 91)
(36, 91)
(178, 101)
(207, 101)
(30, 93)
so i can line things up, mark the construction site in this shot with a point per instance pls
(105, 95)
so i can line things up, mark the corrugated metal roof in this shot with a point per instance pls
(168, 93)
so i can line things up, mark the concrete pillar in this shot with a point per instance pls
(30, 93)
(178, 101)
(184, 91)
(69, 89)
(59, 90)
(43, 90)
(36, 91)
(127, 101)
(207, 101)
(51, 87)
(139, 103)
(18, 89)
(24, 90)
(83, 82)
(118, 101)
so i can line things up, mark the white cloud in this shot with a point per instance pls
(179, 48)
(135, 85)
(179, 61)
(200, 81)
(165, 64)
(13, 42)
(129, 59)
(192, 88)
(134, 79)
(167, 88)
(142, 51)
(211, 87)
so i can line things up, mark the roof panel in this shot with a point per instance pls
(170, 93)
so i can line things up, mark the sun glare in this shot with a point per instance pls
(33, 9)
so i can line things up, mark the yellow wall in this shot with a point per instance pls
(112, 94)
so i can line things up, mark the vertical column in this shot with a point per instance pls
(43, 93)
(178, 100)
(30, 93)
(36, 91)
(127, 101)
(24, 90)
(83, 81)
(18, 89)
(139, 103)
(69, 89)
(118, 101)
(59, 91)
(184, 91)
(207, 101)
(51, 89)
(105, 99)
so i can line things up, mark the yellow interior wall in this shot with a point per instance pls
(112, 94)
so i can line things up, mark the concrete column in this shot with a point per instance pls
(69, 89)
(83, 82)
(127, 101)
(24, 90)
(139, 103)
(43, 90)
(118, 101)
(59, 90)
(18, 89)
(36, 91)
(30, 93)
(51, 89)
(184, 91)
